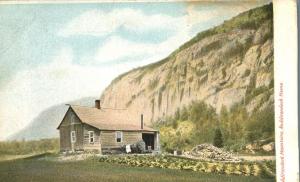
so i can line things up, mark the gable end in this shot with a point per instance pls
(67, 117)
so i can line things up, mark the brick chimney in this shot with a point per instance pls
(142, 121)
(97, 104)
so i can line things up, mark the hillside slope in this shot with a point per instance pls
(227, 64)
(45, 124)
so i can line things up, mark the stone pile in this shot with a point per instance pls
(209, 152)
(261, 145)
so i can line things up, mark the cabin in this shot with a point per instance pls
(103, 129)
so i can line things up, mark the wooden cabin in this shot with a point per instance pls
(100, 129)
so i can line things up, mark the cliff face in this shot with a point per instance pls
(231, 63)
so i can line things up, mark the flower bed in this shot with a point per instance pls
(266, 169)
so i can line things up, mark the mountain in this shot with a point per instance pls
(45, 124)
(228, 64)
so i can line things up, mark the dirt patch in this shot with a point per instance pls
(258, 158)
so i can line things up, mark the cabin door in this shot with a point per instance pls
(149, 140)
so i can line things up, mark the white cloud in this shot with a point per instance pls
(116, 48)
(32, 91)
(119, 49)
(101, 23)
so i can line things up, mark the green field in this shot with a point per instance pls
(93, 170)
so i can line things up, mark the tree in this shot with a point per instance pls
(261, 125)
(218, 139)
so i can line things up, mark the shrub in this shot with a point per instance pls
(141, 146)
(195, 124)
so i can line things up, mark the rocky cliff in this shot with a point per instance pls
(228, 64)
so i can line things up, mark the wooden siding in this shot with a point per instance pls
(102, 138)
(96, 145)
(67, 119)
(108, 138)
(65, 132)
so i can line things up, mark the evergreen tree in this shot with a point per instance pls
(218, 139)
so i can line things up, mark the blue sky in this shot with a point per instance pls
(55, 53)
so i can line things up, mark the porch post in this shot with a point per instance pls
(157, 142)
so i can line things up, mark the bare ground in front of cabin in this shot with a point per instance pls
(258, 158)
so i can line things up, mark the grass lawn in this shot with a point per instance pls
(91, 170)
(12, 157)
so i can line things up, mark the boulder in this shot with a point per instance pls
(269, 147)
(261, 145)
(254, 146)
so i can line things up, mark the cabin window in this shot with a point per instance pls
(119, 136)
(73, 136)
(91, 136)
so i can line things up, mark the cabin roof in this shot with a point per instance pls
(108, 119)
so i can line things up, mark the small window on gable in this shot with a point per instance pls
(91, 137)
(119, 136)
(73, 136)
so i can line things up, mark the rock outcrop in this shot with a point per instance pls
(231, 63)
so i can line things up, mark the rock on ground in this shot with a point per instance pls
(209, 152)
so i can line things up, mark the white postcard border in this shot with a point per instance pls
(285, 76)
